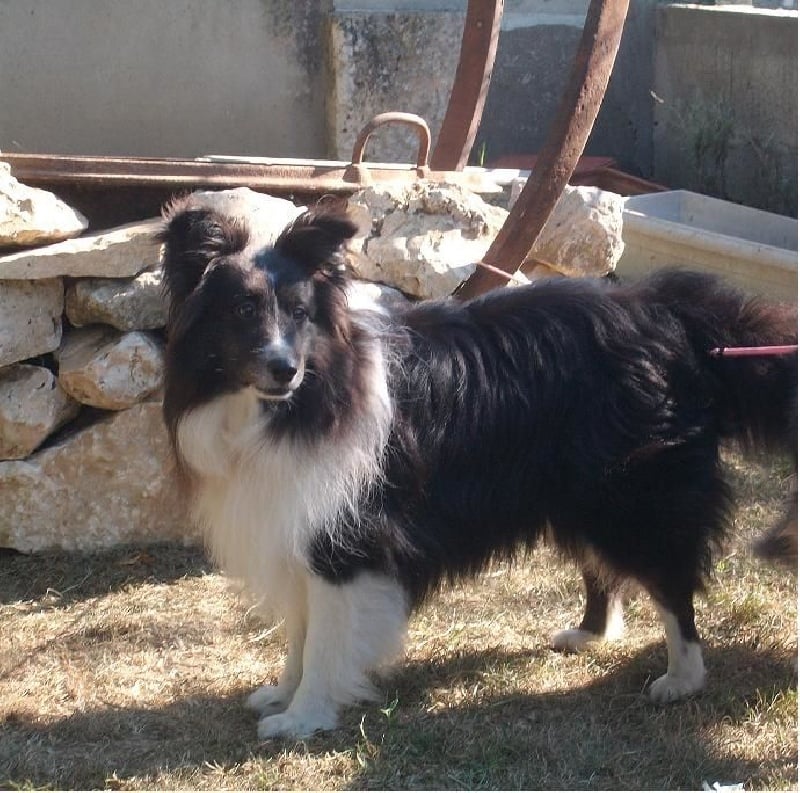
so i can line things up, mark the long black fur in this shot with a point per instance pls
(595, 411)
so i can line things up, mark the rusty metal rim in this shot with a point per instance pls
(470, 86)
(102, 171)
(565, 143)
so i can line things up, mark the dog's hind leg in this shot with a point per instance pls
(602, 616)
(353, 627)
(686, 673)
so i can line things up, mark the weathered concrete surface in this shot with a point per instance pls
(125, 304)
(110, 483)
(30, 318)
(390, 61)
(530, 73)
(118, 253)
(260, 60)
(726, 118)
(106, 369)
(30, 216)
(378, 65)
(32, 406)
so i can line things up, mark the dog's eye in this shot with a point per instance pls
(245, 310)
(299, 313)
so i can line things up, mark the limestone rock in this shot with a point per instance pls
(110, 483)
(30, 318)
(583, 235)
(118, 253)
(424, 238)
(32, 406)
(374, 297)
(30, 216)
(125, 304)
(110, 370)
(266, 215)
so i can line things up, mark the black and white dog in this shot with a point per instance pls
(344, 463)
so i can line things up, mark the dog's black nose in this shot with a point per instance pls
(282, 369)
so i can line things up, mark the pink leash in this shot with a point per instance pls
(744, 352)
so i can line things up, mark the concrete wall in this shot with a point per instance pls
(291, 77)
(389, 60)
(162, 77)
(535, 53)
(726, 119)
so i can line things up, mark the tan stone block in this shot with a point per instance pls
(110, 370)
(32, 406)
(30, 318)
(110, 483)
(118, 253)
(31, 216)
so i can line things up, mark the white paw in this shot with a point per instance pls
(669, 688)
(573, 640)
(267, 700)
(296, 723)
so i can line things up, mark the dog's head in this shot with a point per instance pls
(241, 317)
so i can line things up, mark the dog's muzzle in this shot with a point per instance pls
(277, 374)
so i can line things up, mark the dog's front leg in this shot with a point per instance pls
(352, 628)
(268, 700)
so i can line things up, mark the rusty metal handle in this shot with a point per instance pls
(409, 119)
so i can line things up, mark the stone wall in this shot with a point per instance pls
(84, 460)
(84, 456)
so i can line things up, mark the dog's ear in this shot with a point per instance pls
(193, 237)
(315, 240)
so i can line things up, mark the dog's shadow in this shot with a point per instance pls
(512, 734)
(61, 578)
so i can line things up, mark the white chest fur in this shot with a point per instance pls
(259, 499)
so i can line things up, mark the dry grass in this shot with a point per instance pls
(127, 670)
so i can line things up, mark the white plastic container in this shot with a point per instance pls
(753, 249)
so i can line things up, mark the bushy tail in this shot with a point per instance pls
(779, 543)
(756, 396)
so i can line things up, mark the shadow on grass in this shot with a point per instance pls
(65, 577)
(604, 735)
